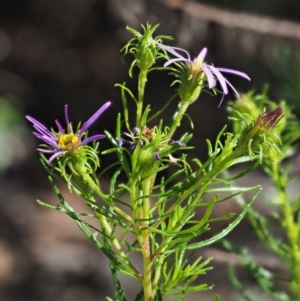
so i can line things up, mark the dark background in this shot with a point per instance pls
(66, 51)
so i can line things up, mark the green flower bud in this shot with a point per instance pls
(146, 51)
(259, 136)
(143, 47)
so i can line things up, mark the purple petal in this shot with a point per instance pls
(120, 141)
(67, 119)
(46, 139)
(220, 78)
(40, 127)
(210, 78)
(132, 146)
(61, 130)
(55, 155)
(173, 51)
(129, 135)
(232, 87)
(44, 132)
(202, 54)
(89, 122)
(156, 156)
(234, 90)
(48, 151)
(34, 121)
(179, 142)
(169, 62)
(135, 131)
(239, 73)
(92, 138)
(223, 95)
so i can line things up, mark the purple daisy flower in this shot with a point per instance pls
(213, 74)
(64, 142)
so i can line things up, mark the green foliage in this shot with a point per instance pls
(160, 199)
(286, 211)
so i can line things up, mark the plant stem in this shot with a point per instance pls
(291, 228)
(147, 283)
(183, 105)
(116, 244)
(105, 224)
(96, 188)
(141, 214)
(292, 231)
(141, 90)
(207, 178)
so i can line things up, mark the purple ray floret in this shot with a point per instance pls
(92, 119)
(213, 74)
(53, 141)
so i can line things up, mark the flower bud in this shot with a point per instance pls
(267, 121)
(143, 47)
(260, 135)
(146, 52)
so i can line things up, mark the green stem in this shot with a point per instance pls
(96, 188)
(141, 90)
(291, 229)
(116, 244)
(147, 283)
(183, 105)
(141, 220)
(108, 231)
(207, 178)
(105, 224)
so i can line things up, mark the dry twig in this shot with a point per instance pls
(244, 21)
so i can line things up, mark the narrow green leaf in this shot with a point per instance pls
(46, 205)
(225, 232)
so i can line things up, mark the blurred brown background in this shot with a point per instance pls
(68, 51)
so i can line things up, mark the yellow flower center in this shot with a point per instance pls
(196, 67)
(68, 142)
